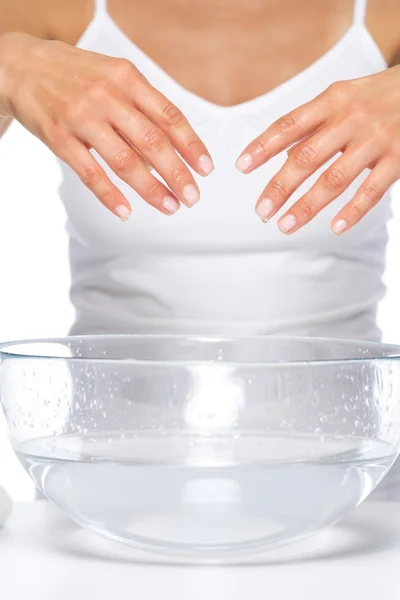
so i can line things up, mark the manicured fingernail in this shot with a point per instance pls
(340, 226)
(287, 223)
(190, 194)
(244, 163)
(264, 209)
(206, 165)
(171, 205)
(123, 212)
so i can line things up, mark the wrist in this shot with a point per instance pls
(14, 48)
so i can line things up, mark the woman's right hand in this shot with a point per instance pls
(74, 100)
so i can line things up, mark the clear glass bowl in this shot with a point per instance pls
(203, 448)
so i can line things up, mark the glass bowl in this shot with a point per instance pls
(205, 448)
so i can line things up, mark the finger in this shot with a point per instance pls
(330, 185)
(294, 126)
(142, 158)
(301, 163)
(303, 140)
(156, 147)
(145, 162)
(75, 154)
(159, 110)
(284, 132)
(126, 163)
(383, 176)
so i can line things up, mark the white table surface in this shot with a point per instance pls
(44, 556)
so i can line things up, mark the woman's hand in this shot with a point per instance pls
(76, 100)
(361, 120)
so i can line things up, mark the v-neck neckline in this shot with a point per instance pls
(253, 103)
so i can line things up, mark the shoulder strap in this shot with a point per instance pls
(100, 6)
(360, 11)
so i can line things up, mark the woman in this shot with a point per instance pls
(312, 81)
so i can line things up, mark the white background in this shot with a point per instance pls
(34, 272)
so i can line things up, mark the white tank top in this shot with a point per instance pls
(216, 268)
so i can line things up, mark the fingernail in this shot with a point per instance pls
(171, 205)
(206, 165)
(287, 223)
(190, 194)
(123, 212)
(244, 162)
(264, 209)
(340, 226)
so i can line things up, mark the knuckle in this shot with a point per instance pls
(121, 69)
(193, 143)
(97, 89)
(53, 135)
(45, 48)
(334, 180)
(89, 175)
(152, 187)
(395, 148)
(357, 211)
(339, 91)
(77, 109)
(178, 173)
(383, 133)
(260, 147)
(277, 190)
(106, 196)
(153, 139)
(40, 50)
(304, 156)
(61, 140)
(172, 115)
(124, 161)
(305, 208)
(286, 124)
(372, 192)
(359, 112)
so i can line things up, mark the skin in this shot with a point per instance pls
(75, 100)
(360, 119)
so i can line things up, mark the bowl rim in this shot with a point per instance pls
(387, 352)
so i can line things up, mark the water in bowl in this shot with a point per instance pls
(206, 496)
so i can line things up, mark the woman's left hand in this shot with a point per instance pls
(358, 118)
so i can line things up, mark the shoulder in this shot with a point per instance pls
(49, 19)
(383, 21)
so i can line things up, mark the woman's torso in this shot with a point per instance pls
(216, 268)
